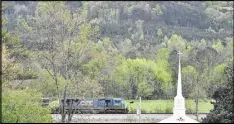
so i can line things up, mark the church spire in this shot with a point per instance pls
(179, 106)
(179, 87)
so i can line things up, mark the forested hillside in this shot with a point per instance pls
(116, 48)
(111, 44)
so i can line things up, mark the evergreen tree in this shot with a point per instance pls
(223, 111)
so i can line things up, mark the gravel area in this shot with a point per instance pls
(120, 118)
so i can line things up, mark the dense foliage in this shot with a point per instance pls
(116, 48)
(223, 111)
(24, 106)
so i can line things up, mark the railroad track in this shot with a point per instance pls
(121, 118)
(136, 114)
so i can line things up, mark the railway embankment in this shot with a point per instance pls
(120, 118)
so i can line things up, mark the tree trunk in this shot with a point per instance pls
(70, 114)
(63, 113)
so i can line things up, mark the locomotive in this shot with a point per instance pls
(91, 106)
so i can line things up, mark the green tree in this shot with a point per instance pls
(217, 78)
(189, 78)
(14, 55)
(140, 77)
(62, 46)
(177, 43)
(159, 32)
(125, 46)
(24, 106)
(46, 85)
(201, 60)
(202, 44)
(138, 35)
(157, 10)
(218, 47)
(223, 105)
(9, 66)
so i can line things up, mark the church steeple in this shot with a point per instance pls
(179, 88)
(179, 106)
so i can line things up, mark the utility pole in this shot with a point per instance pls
(139, 111)
(140, 105)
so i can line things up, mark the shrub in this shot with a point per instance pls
(24, 106)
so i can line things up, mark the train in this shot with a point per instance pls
(89, 106)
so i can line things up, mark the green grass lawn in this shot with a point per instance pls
(166, 106)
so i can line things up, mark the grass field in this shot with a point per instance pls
(166, 106)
